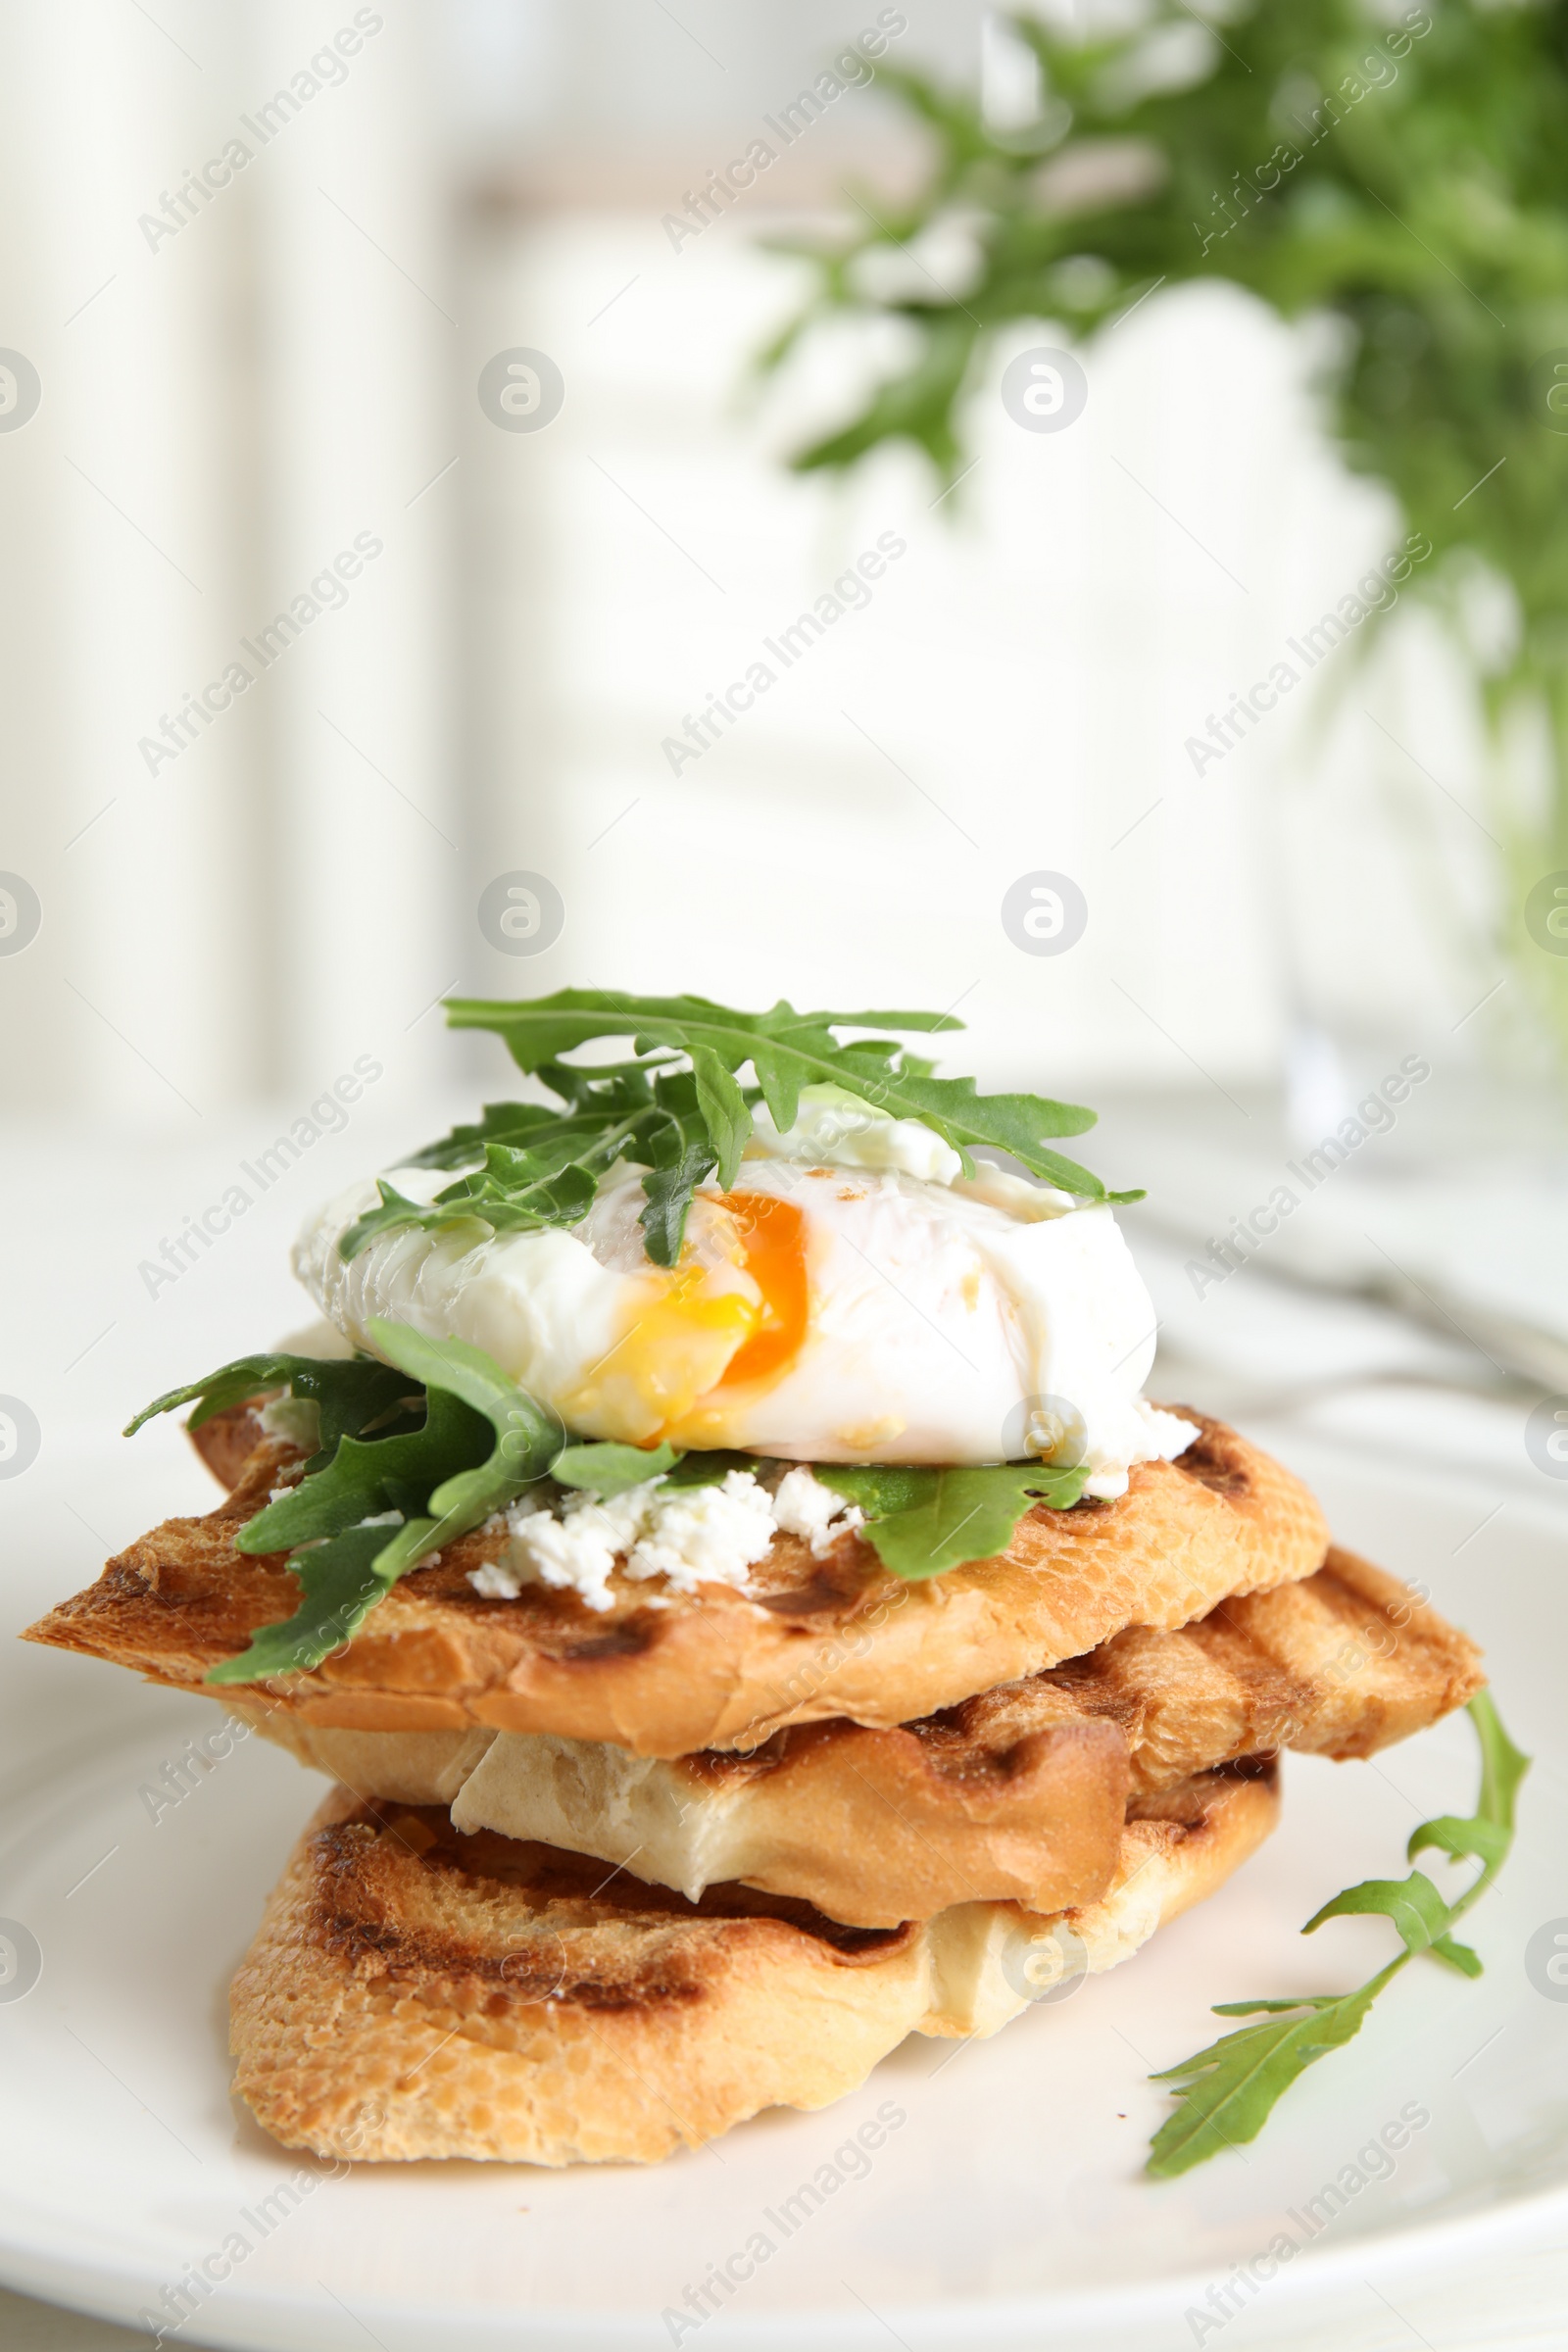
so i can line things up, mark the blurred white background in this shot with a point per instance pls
(226, 406)
(240, 386)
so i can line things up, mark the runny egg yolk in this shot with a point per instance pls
(772, 1238)
(706, 1331)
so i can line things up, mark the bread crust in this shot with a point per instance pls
(416, 1993)
(837, 1636)
(228, 1440)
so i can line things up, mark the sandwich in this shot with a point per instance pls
(717, 1543)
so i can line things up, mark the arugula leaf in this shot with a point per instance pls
(498, 1123)
(1414, 1905)
(1481, 1841)
(923, 1521)
(515, 1190)
(1503, 1768)
(1457, 1955)
(610, 1469)
(1228, 2091)
(526, 1437)
(370, 1476)
(394, 1209)
(575, 1017)
(530, 1166)
(352, 1392)
(727, 1114)
(339, 1585)
(710, 1469)
(668, 1193)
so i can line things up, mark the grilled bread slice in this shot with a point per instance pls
(416, 1992)
(665, 1674)
(1018, 1793)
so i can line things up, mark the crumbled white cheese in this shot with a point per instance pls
(803, 1506)
(297, 1420)
(575, 1551)
(383, 1519)
(706, 1535)
(689, 1536)
(493, 1582)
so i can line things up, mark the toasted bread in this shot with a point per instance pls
(414, 1992)
(667, 1674)
(1346, 1663)
(1017, 1793)
(228, 1440)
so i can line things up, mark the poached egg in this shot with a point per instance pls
(853, 1297)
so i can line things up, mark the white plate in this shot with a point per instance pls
(1006, 2206)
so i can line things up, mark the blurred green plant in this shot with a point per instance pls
(1405, 174)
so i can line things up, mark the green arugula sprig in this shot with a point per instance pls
(922, 1521)
(1228, 2092)
(682, 1111)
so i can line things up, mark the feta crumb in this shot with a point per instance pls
(297, 1420)
(383, 1519)
(803, 1506)
(578, 1551)
(687, 1536)
(706, 1535)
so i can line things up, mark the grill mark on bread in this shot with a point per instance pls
(369, 1912)
(990, 1735)
(838, 1584)
(435, 1966)
(378, 1875)
(1187, 1800)
(1173, 1818)
(628, 1641)
(1264, 1767)
(1214, 1458)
